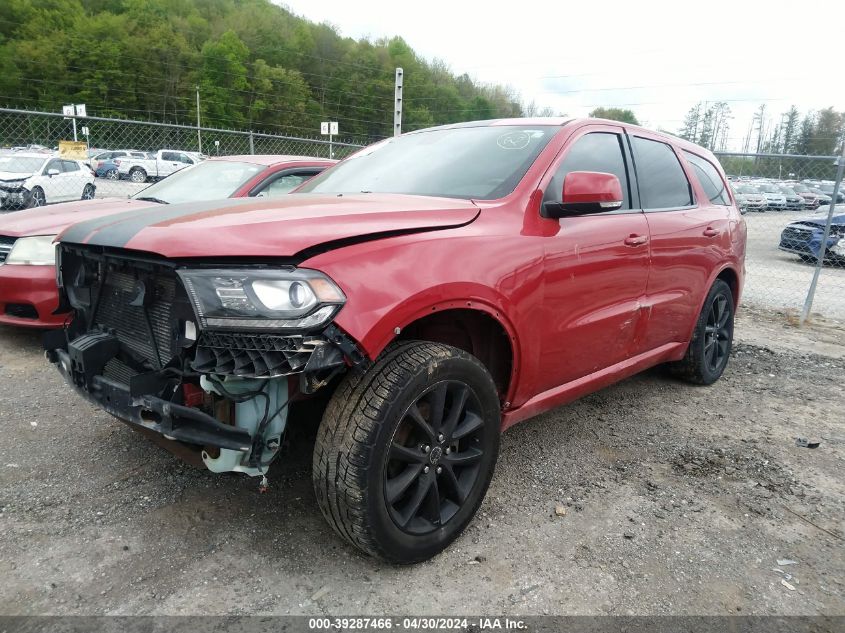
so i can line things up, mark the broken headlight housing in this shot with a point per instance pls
(289, 299)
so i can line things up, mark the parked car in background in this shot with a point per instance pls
(739, 197)
(752, 199)
(435, 288)
(793, 200)
(824, 199)
(811, 200)
(36, 179)
(156, 166)
(804, 238)
(110, 155)
(827, 189)
(107, 169)
(775, 200)
(28, 293)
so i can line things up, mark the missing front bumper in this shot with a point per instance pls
(172, 421)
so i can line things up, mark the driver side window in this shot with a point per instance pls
(596, 151)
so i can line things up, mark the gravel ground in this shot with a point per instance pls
(676, 500)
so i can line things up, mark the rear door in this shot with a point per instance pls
(596, 267)
(689, 234)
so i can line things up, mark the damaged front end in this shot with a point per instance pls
(208, 358)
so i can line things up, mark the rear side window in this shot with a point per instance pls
(171, 156)
(70, 165)
(597, 151)
(710, 179)
(663, 183)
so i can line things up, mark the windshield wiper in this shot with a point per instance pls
(151, 199)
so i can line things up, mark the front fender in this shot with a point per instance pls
(449, 296)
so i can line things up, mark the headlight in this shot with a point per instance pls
(297, 299)
(33, 251)
(838, 248)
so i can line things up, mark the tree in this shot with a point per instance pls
(690, 129)
(257, 65)
(790, 130)
(615, 114)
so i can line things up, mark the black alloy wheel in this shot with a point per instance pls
(717, 333)
(406, 450)
(710, 348)
(434, 457)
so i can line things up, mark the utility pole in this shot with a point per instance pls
(397, 107)
(199, 134)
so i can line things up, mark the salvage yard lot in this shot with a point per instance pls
(678, 500)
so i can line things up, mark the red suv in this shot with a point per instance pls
(430, 291)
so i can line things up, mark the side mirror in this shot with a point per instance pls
(586, 192)
(53, 172)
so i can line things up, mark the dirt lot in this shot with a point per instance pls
(679, 500)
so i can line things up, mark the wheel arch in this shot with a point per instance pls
(476, 326)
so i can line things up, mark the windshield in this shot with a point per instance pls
(20, 164)
(800, 188)
(208, 180)
(788, 191)
(473, 162)
(746, 189)
(768, 189)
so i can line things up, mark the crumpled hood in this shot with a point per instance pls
(55, 218)
(11, 175)
(262, 227)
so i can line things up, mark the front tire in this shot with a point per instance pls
(405, 451)
(36, 198)
(710, 347)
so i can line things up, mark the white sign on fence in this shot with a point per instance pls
(80, 110)
(328, 127)
(67, 110)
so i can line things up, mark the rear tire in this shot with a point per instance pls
(88, 192)
(710, 348)
(405, 451)
(138, 175)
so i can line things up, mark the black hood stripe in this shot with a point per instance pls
(117, 230)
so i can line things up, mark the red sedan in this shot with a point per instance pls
(28, 294)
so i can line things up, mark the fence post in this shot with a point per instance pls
(811, 292)
(251, 143)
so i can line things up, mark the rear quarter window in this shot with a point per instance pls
(710, 179)
(662, 181)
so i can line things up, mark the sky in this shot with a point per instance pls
(655, 58)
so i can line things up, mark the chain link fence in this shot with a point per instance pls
(787, 200)
(124, 155)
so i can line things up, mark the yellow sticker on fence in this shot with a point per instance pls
(73, 150)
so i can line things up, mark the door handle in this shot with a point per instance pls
(711, 232)
(636, 240)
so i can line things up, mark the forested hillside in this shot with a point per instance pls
(257, 67)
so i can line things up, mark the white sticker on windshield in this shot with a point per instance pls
(514, 140)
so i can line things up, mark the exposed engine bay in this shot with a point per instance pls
(143, 346)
